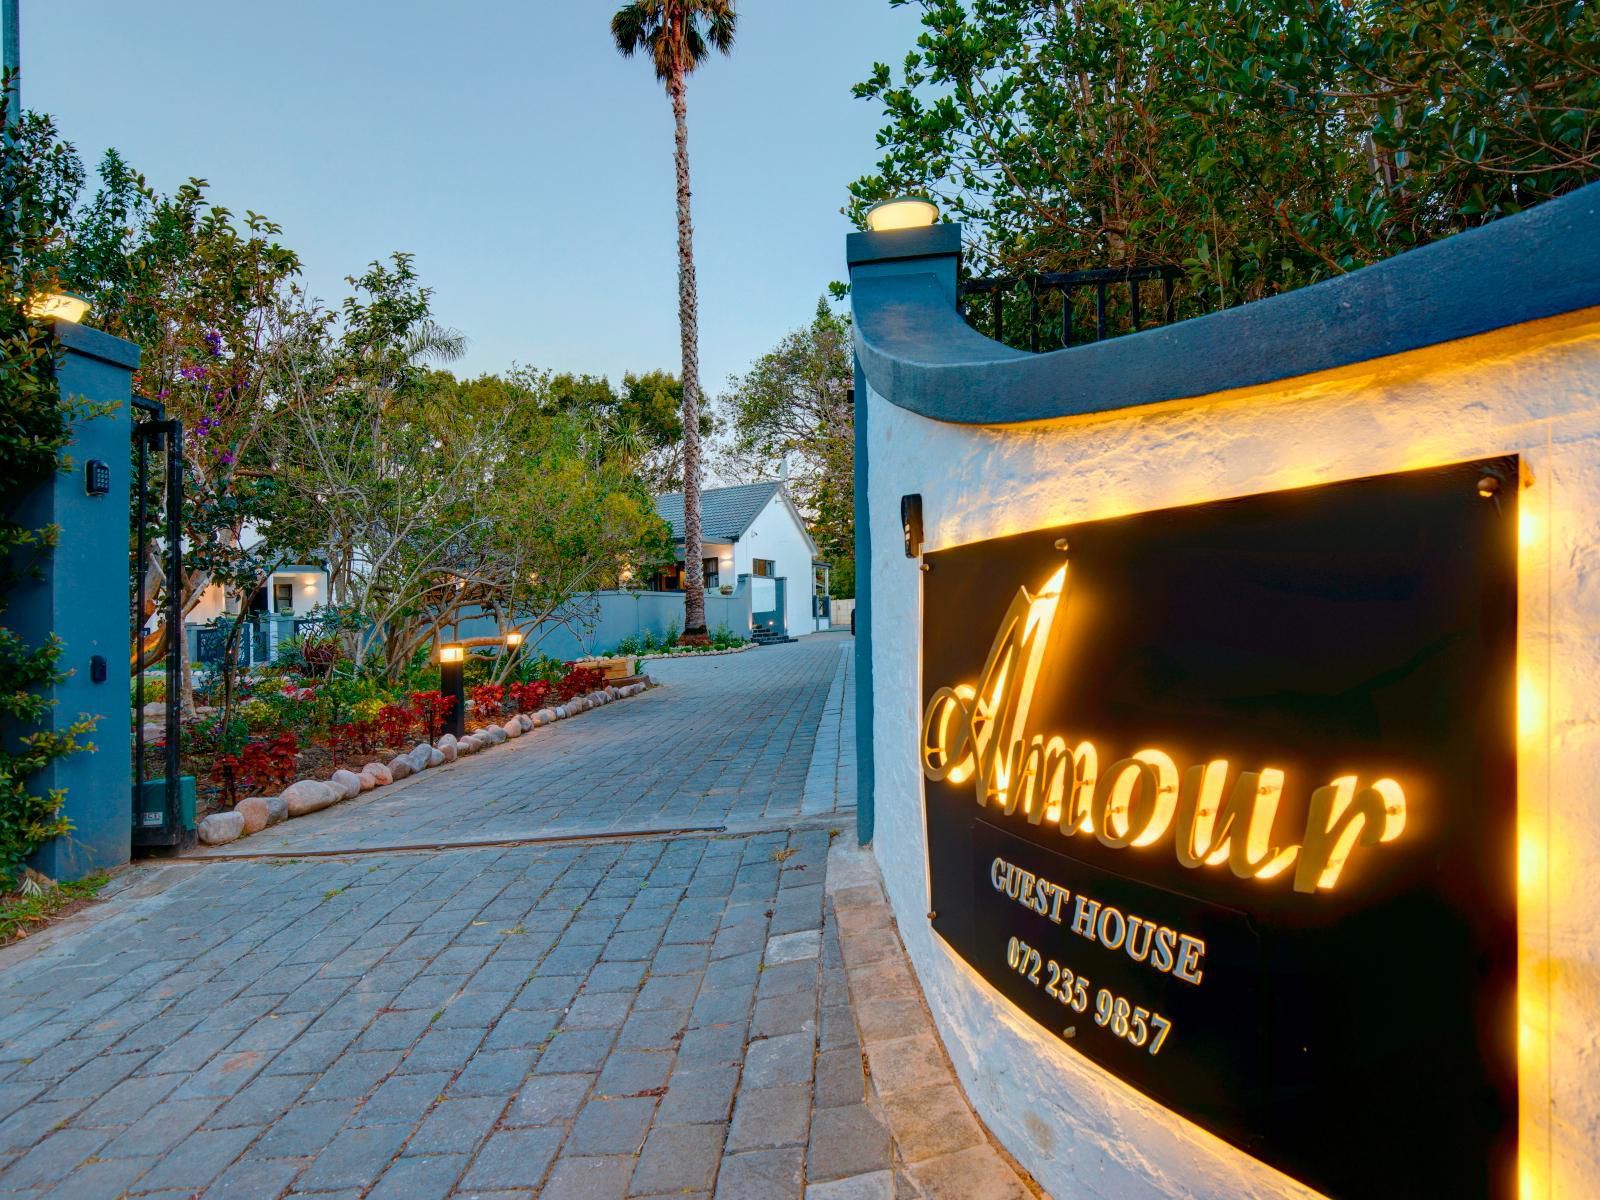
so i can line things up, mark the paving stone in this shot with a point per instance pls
(494, 1073)
(874, 1185)
(975, 1172)
(304, 1130)
(794, 947)
(931, 1121)
(765, 1118)
(779, 1060)
(441, 1050)
(607, 1126)
(158, 1131)
(723, 1006)
(402, 1100)
(792, 1012)
(250, 1179)
(96, 1178)
(430, 1177)
(713, 1047)
(657, 1029)
(355, 1158)
(587, 1178)
(678, 1158)
(761, 1175)
(199, 1158)
(615, 977)
(54, 1158)
(698, 1097)
(907, 1064)
(630, 1072)
(580, 1050)
(263, 1100)
(513, 1158)
(599, 1010)
(840, 1079)
(849, 1140)
(521, 1029)
(456, 1126)
(127, 1101)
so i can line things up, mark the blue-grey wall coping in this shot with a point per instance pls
(916, 350)
(94, 343)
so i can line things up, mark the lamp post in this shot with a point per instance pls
(452, 683)
(11, 31)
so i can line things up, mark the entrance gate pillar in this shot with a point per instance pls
(82, 598)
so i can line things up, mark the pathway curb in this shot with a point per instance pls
(942, 1150)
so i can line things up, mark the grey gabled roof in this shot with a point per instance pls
(725, 513)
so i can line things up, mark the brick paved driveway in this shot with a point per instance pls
(642, 1016)
(729, 741)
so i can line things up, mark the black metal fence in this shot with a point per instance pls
(262, 640)
(1016, 309)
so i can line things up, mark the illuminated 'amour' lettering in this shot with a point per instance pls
(979, 733)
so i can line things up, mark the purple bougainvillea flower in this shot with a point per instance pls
(192, 371)
(214, 343)
(227, 458)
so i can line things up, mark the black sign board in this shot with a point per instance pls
(1225, 797)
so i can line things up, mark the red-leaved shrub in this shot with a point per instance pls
(579, 681)
(487, 699)
(395, 722)
(530, 697)
(431, 709)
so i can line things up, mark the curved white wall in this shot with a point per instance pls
(1533, 390)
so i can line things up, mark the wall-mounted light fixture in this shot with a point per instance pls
(911, 523)
(63, 306)
(902, 212)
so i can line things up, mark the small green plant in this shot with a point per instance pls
(19, 912)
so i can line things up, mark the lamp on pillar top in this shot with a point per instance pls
(63, 306)
(453, 683)
(513, 639)
(902, 212)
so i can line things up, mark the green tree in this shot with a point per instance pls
(1258, 145)
(791, 416)
(39, 178)
(678, 35)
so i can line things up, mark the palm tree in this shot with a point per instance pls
(678, 34)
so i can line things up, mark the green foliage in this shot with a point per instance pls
(1258, 145)
(38, 178)
(18, 913)
(793, 408)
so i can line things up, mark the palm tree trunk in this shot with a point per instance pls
(694, 589)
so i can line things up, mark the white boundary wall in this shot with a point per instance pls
(1531, 389)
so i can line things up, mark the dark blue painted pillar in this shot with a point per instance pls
(83, 599)
(934, 251)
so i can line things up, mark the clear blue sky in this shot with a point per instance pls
(506, 144)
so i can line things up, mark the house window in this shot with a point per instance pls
(766, 568)
(282, 597)
(671, 579)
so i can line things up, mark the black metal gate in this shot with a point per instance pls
(158, 499)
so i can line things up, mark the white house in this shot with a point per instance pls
(292, 590)
(754, 531)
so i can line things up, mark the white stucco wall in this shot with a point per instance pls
(775, 534)
(1533, 390)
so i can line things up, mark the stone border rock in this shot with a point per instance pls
(941, 1148)
(644, 658)
(255, 813)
